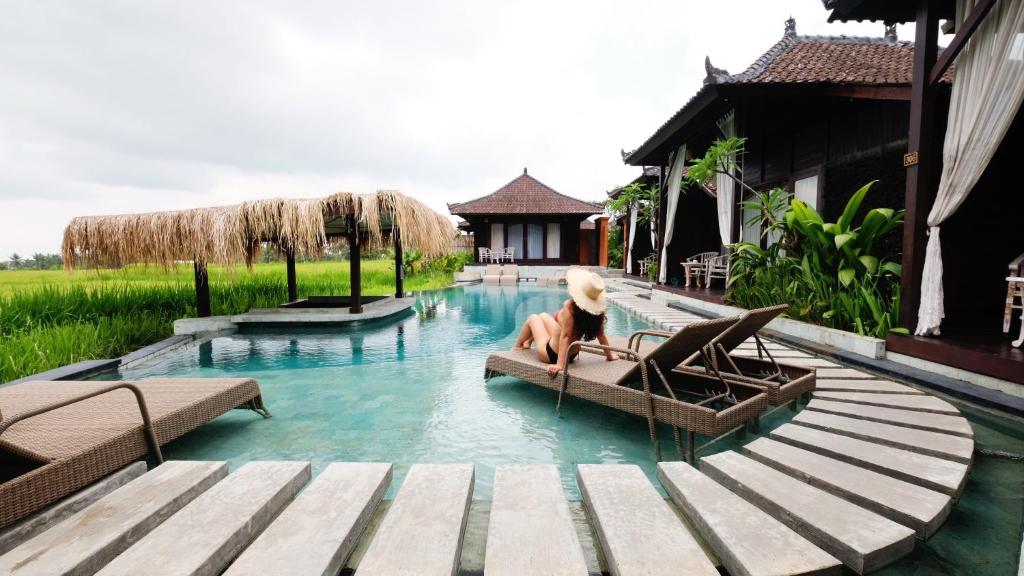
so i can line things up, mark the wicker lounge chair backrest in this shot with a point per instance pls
(492, 270)
(681, 345)
(749, 324)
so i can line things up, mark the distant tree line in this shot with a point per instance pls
(36, 262)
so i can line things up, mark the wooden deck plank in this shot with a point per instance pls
(818, 363)
(531, 529)
(91, 538)
(639, 533)
(205, 536)
(422, 531)
(937, 474)
(911, 402)
(318, 531)
(956, 425)
(863, 540)
(873, 386)
(922, 509)
(746, 539)
(947, 446)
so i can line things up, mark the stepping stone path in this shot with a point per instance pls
(848, 484)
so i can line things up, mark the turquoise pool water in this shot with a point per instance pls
(412, 390)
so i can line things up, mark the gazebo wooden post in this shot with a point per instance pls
(293, 291)
(399, 264)
(202, 289)
(355, 273)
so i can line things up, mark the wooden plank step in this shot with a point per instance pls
(422, 531)
(319, 530)
(911, 402)
(531, 529)
(874, 386)
(844, 374)
(747, 353)
(808, 362)
(863, 540)
(205, 536)
(91, 538)
(956, 425)
(938, 474)
(639, 533)
(747, 540)
(922, 509)
(947, 446)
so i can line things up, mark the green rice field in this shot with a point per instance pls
(49, 318)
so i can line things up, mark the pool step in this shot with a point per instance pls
(956, 448)
(912, 402)
(88, 540)
(319, 530)
(844, 374)
(747, 540)
(861, 539)
(874, 386)
(638, 531)
(531, 529)
(937, 474)
(423, 529)
(209, 532)
(956, 425)
(922, 509)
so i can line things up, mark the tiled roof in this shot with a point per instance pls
(821, 60)
(525, 195)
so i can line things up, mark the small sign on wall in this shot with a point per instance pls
(910, 159)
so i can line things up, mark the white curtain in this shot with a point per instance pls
(632, 236)
(987, 92)
(675, 181)
(725, 187)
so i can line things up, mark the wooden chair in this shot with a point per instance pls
(645, 263)
(510, 254)
(1014, 301)
(484, 254)
(718, 267)
(696, 265)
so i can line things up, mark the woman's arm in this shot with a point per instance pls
(603, 340)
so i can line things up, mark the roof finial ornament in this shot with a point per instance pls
(791, 26)
(714, 75)
(890, 33)
(524, 170)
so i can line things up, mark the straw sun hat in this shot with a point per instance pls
(587, 290)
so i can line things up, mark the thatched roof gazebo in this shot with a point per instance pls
(233, 235)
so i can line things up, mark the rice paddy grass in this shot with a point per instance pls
(50, 318)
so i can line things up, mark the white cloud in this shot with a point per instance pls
(124, 106)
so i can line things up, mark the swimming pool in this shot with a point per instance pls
(412, 390)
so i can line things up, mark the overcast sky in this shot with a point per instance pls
(111, 107)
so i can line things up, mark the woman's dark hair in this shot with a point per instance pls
(586, 325)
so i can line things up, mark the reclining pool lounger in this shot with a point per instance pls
(58, 437)
(644, 383)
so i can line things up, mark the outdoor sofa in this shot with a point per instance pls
(57, 437)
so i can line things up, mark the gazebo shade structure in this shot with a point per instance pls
(233, 235)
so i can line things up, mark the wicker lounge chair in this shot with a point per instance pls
(58, 437)
(644, 383)
(783, 382)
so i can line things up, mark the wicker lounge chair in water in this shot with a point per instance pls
(59, 437)
(644, 382)
(783, 382)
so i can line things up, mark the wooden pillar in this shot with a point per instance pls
(399, 265)
(625, 239)
(202, 289)
(924, 159)
(602, 241)
(355, 268)
(293, 291)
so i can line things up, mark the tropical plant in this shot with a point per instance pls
(615, 247)
(831, 273)
(646, 198)
(652, 270)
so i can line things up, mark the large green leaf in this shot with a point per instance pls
(853, 205)
(893, 268)
(842, 239)
(869, 262)
(846, 275)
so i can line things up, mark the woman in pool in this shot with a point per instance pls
(582, 317)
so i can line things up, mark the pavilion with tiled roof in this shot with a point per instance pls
(539, 224)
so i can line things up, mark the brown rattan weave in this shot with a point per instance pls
(77, 444)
